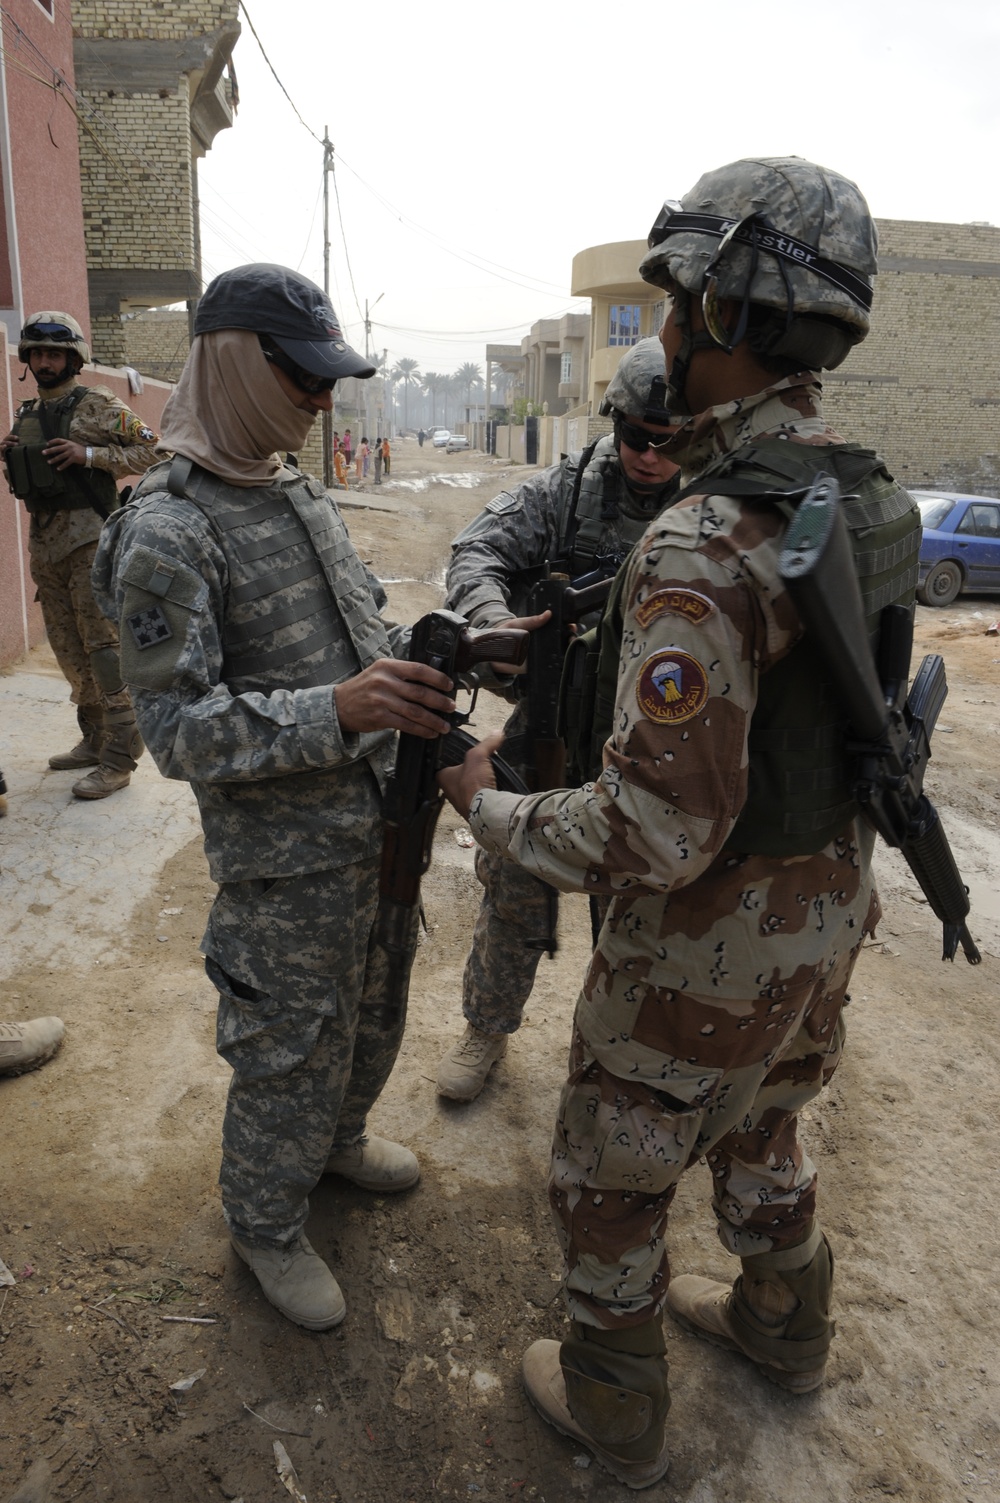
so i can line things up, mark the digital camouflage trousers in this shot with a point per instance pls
(300, 981)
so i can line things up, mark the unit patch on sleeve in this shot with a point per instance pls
(148, 627)
(672, 687)
(675, 602)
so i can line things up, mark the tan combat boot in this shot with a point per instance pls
(375, 1164)
(120, 752)
(297, 1282)
(463, 1071)
(607, 1390)
(25, 1046)
(777, 1313)
(87, 751)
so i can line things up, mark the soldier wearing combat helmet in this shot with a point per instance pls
(67, 448)
(582, 514)
(723, 827)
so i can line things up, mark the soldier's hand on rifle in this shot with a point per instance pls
(518, 623)
(461, 784)
(62, 452)
(396, 695)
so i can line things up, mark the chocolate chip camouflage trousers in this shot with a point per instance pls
(621, 1147)
(75, 625)
(300, 979)
(511, 928)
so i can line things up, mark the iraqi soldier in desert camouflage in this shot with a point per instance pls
(67, 448)
(263, 673)
(722, 828)
(582, 514)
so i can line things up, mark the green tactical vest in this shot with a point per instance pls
(33, 479)
(800, 774)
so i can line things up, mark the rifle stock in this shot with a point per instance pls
(891, 736)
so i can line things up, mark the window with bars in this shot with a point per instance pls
(566, 366)
(624, 323)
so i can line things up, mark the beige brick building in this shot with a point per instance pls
(159, 79)
(924, 387)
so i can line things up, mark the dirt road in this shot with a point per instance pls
(110, 1221)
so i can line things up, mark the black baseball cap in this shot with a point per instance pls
(297, 314)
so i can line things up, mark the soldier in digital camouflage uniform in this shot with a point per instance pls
(263, 673)
(583, 513)
(65, 452)
(722, 827)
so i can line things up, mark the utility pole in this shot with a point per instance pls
(368, 331)
(327, 419)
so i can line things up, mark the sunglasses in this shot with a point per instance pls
(640, 439)
(302, 378)
(58, 332)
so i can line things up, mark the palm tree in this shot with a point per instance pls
(406, 371)
(431, 383)
(466, 377)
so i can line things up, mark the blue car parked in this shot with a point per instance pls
(960, 549)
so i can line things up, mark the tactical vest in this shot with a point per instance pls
(592, 524)
(298, 599)
(800, 774)
(33, 479)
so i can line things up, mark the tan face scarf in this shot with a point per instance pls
(228, 413)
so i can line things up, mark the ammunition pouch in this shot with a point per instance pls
(35, 482)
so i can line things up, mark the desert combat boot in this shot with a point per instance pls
(25, 1046)
(375, 1164)
(87, 751)
(777, 1313)
(463, 1071)
(121, 748)
(297, 1282)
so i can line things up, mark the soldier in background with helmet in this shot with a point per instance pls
(723, 827)
(264, 674)
(67, 448)
(585, 512)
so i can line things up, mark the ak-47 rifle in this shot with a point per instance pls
(412, 798)
(569, 601)
(544, 751)
(891, 730)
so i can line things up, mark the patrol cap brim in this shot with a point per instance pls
(326, 358)
(292, 310)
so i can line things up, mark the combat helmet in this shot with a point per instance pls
(638, 387)
(776, 233)
(52, 331)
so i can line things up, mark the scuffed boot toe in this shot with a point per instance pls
(463, 1071)
(297, 1282)
(545, 1384)
(103, 781)
(375, 1163)
(25, 1046)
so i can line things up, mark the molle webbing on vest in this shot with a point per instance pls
(800, 790)
(292, 573)
(39, 486)
(593, 508)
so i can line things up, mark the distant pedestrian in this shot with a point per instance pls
(361, 463)
(377, 456)
(336, 440)
(340, 469)
(420, 438)
(347, 444)
(385, 455)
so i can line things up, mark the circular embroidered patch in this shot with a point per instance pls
(672, 687)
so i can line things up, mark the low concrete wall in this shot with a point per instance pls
(21, 626)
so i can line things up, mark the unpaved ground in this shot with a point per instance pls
(109, 1214)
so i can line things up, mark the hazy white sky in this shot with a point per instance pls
(479, 148)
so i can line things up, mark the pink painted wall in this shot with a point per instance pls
(44, 161)
(20, 618)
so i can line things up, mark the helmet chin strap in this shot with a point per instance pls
(678, 373)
